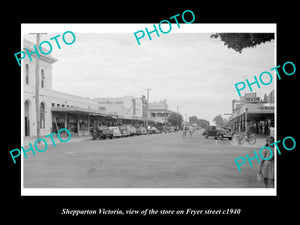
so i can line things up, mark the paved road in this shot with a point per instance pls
(151, 161)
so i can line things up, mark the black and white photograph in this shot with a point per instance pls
(148, 111)
(165, 116)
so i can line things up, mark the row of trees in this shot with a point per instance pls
(200, 122)
(219, 120)
(176, 119)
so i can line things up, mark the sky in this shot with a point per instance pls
(193, 71)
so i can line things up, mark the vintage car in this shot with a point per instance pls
(132, 130)
(153, 130)
(141, 131)
(116, 132)
(124, 131)
(217, 132)
(101, 132)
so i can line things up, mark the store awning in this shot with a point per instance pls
(255, 109)
(82, 111)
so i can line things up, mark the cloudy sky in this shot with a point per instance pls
(191, 70)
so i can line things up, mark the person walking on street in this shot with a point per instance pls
(184, 130)
(191, 130)
(267, 166)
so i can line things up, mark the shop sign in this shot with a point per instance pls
(266, 107)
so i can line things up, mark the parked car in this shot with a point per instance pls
(116, 131)
(172, 129)
(217, 132)
(101, 132)
(141, 131)
(153, 130)
(124, 131)
(131, 130)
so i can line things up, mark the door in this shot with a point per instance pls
(26, 118)
(26, 126)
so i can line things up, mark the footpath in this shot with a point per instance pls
(27, 140)
(260, 142)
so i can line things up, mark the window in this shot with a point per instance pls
(27, 74)
(42, 79)
(83, 123)
(42, 115)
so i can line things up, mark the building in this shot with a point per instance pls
(159, 111)
(127, 105)
(61, 110)
(252, 114)
(130, 109)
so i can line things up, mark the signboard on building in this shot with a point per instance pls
(258, 108)
(252, 100)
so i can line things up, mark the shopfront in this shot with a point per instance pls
(255, 118)
(78, 121)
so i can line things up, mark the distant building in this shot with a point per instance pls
(253, 113)
(159, 111)
(271, 97)
(127, 105)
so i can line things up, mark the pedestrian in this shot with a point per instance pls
(267, 166)
(191, 130)
(184, 130)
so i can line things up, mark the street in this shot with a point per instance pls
(149, 161)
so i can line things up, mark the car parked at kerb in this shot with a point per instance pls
(116, 132)
(153, 130)
(101, 132)
(141, 131)
(217, 132)
(131, 130)
(124, 131)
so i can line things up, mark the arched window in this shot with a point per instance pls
(27, 74)
(42, 115)
(42, 78)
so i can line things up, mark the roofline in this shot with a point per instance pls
(29, 45)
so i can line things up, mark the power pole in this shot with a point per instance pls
(148, 89)
(165, 119)
(177, 116)
(37, 83)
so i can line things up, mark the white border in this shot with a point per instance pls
(131, 28)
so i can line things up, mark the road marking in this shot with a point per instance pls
(216, 142)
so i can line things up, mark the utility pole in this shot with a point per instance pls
(148, 89)
(37, 83)
(246, 126)
(165, 119)
(177, 116)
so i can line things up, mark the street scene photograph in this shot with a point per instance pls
(165, 113)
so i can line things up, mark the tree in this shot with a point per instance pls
(219, 120)
(175, 119)
(193, 119)
(239, 41)
(203, 123)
